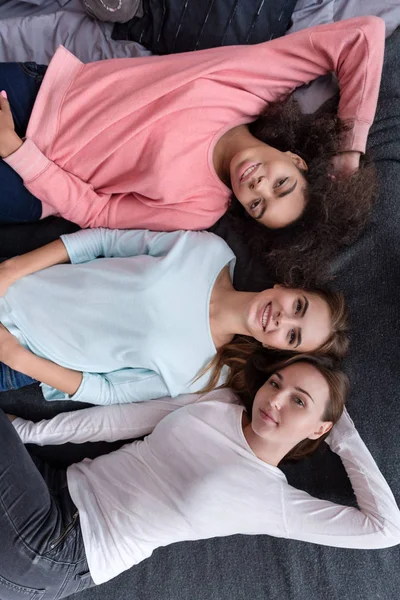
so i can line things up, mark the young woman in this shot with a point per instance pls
(62, 531)
(145, 320)
(162, 142)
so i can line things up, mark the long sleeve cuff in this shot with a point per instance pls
(28, 161)
(355, 138)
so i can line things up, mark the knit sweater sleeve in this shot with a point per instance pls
(353, 49)
(376, 524)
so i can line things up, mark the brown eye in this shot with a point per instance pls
(254, 204)
(281, 182)
(298, 306)
(292, 337)
(298, 401)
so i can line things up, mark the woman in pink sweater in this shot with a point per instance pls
(161, 142)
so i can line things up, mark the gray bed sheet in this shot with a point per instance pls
(32, 30)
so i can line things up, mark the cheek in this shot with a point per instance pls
(276, 339)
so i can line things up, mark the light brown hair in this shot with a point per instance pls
(259, 368)
(235, 354)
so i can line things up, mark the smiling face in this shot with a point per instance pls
(289, 319)
(268, 184)
(289, 408)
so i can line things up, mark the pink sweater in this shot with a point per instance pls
(128, 143)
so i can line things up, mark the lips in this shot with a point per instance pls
(266, 316)
(248, 171)
(267, 416)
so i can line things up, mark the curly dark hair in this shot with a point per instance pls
(337, 209)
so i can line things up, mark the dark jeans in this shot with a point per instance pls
(42, 556)
(13, 380)
(21, 81)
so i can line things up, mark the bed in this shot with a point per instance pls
(261, 567)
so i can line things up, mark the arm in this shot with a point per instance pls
(353, 49)
(377, 522)
(106, 423)
(13, 269)
(118, 387)
(19, 358)
(86, 245)
(61, 383)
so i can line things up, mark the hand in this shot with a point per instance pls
(7, 277)
(9, 140)
(11, 417)
(9, 344)
(346, 162)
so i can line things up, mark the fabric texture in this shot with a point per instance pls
(167, 488)
(33, 32)
(75, 156)
(22, 83)
(135, 322)
(180, 26)
(42, 555)
(13, 380)
(261, 567)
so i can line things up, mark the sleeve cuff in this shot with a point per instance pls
(28, 161)
(355, 138)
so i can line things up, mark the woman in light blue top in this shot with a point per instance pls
(145, 320)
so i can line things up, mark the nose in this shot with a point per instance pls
(256, 183)
(280, 318)
(276, 401)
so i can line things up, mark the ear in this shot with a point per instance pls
(322, 429)
(277, 286)
(297, 160)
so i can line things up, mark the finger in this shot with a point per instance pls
(4, 94)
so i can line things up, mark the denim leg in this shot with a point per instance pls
(13, 380)
(41, 551)
(21, 81)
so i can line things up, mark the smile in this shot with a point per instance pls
(248, 172)
(267, 417)
(265, 317)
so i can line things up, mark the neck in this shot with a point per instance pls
(228, 311)
(233, 141)
(265, 451)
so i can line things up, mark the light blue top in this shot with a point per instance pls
(135, 322)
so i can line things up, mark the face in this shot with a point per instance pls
(289, 407)
(268, 184)
(288, 319)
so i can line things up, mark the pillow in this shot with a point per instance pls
(183, 25)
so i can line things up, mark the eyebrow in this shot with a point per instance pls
(289, 191)
(304, 392)
(296, 388)
(260, 216)
(298, 338)
(303, 312)
(281, 195)
(305, 307)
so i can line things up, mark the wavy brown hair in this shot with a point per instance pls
(260, 366)
(336, 211)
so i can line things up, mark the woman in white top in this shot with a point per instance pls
(207, 467)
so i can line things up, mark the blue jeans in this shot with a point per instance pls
(42, 556)
(21, 81)
(12, 380)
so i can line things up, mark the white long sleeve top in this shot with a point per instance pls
(195, 477)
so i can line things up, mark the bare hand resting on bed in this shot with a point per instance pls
(9, 140)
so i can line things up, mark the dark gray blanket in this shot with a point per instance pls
(260, 567)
